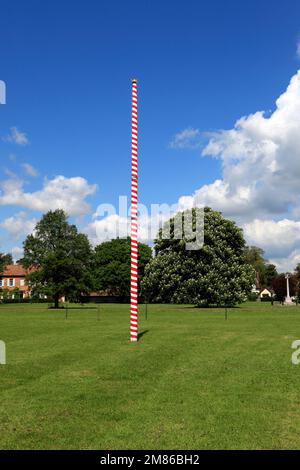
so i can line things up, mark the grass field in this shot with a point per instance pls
(194, 380)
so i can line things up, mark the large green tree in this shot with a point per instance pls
(217, 273)
(61, 257)
(112, 265)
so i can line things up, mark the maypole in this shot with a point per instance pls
(134, 222)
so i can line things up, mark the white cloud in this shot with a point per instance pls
(59, 193)
(279, 238)
(114, 225)
(186, 139)
(18, 225)
(260, 159)
(287, 263)
(17, 253)
(109, 227)
(260, 184)
(30, 170)
(17, 137)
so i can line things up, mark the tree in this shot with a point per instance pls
(217, 273)
(279, 286)
(59, 258)
(112, 265)
(255, 257)
(297, 275)
(5, 259)
(297, 271)
(270, 274)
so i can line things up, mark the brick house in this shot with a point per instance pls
(13, 277)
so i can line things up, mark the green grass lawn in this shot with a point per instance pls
(194, 380)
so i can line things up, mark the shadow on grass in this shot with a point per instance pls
(142, 333)
(211, 307)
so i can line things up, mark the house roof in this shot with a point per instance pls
(267, 289)
(15, 270)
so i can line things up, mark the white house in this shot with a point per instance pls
(266, 293)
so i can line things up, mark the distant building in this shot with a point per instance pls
(13, 277)
(103, 296)
(266, 294)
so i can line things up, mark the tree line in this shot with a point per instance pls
(268, 276)
(62, 263)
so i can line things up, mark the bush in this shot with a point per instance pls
(253, 296)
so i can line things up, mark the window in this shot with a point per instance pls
(11, 283)
(22, 282)
(1, 282)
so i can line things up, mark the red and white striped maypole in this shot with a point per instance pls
(134, 222)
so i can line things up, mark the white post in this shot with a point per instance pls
(288, 299)
(2, 352)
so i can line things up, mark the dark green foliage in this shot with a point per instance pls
(112, 265)
(5, 259)
(255, 257)
(266, 271)
(280, 288)
(252, 296)
(61, 256)
(270, 274)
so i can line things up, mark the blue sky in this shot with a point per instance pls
(201, 66)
